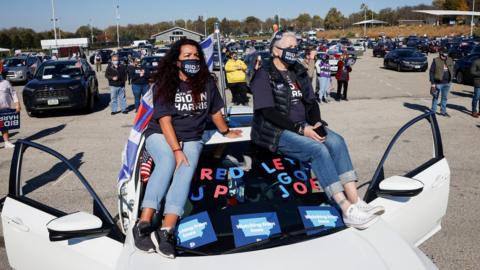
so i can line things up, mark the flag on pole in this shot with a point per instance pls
(144, 114)
(207, 47)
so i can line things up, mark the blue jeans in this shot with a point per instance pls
(443, 90)
(324, 86)
(330, 161)
(138, 91)
(159, 181)
(475, 100)
(115, 94)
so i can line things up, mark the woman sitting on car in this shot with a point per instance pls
(185, 94)
(287, 120)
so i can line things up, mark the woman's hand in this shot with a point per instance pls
(310, 133)
(180, 159)
(234, 133)
(18, 108)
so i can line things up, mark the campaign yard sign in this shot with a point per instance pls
(251, 228)
(9, 119)
(318, 216)
(195, 231)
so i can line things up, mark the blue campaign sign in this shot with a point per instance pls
(9, 119)
(195, 231)
(316, 216)
(252, 228)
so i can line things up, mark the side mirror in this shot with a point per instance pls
(400, 186)
(79, 224)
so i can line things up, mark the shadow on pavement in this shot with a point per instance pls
(51, 175)
(416, 107)
(45, 133)
(464, 93)
(458, 108)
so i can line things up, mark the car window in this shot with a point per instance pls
(15, 62)
(238, 180)
(66, 70)
(48, 181)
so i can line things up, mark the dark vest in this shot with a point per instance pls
(438, 72)
(264, 133)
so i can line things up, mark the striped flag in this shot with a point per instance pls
(144, 114)
(207, 47)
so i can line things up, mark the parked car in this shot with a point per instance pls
(406, 59)
(104, 53)
(381, 49)
(21, 68)
(66, 84)
(248, 209)
(125, 54)
(462, 50)
(462, 69)
(150, 64)
(161, 52)
(216, 60)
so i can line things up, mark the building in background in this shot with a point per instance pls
(176, 33)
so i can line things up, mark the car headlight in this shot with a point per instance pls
(28, 89)
(405, 62)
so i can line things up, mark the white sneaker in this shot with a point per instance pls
(365, 207)
(8, 144)
(356, 218)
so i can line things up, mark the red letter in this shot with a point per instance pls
(206, 173)
(314, 184)
(220, 190)
(300, 188)
(278, 164)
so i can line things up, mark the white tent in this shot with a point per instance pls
(449, 12)
(62, 43)
(370, 22)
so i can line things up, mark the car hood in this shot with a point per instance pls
(414, 59)
(36, 84)
(378, 247)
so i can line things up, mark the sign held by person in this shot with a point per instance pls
(9, 120)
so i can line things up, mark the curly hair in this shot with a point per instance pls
(166, 78)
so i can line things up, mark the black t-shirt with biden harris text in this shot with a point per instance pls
(188, 119)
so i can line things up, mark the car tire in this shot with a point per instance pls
(32, 113)
(385, 65)
(459, 77)
(90, 103)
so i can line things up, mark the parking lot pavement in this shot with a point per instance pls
(381, 101)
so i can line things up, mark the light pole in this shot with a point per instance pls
(54, 20)
(220, 62)
(91, 31)
(118, 19)
(471, 23)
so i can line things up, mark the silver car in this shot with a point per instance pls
(21, 68)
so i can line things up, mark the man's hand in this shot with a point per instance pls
(180, 159)
(234, 133)
(310, 133)
(115, 78)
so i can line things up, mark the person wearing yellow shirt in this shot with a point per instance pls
(236, 71)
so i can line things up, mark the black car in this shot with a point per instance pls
(69, 84)
(150, 63)
(125, 54)
(381, 49)
(462, 50)
(104, 54)
(462, 69)
(406, 59)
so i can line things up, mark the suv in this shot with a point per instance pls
(21, 68)
(69, 84)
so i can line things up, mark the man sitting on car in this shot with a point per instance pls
(287, 120)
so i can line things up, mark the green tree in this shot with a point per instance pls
(455, 5)
(17, 42)
(28, 41)
(333, 19)
(211, 24)
(5, 41)
(251, 25)
(317, 21)
(303, 22)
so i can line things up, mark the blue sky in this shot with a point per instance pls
(36, 14)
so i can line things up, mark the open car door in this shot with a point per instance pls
(416, 213)
(41, 230)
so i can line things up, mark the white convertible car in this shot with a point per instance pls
(248, 209)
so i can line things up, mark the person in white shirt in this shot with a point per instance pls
(8, 100)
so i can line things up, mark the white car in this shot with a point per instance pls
(248, 209)
(358, 47)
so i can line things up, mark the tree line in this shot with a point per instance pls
(25, 38)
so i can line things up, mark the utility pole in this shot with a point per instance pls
(54, 20)
(118, 21)
(471, 23)
(91, 31)
(59, 31)
(365, 20)
(205, 23)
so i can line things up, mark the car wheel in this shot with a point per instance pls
(459, 77)
(399, 68)
(90, 103)
(32, 113)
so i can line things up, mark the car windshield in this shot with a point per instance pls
(408, 53)
(15, 62)
(68, 70)
(151, 61)
(248, 197)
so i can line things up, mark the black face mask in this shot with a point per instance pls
(190, 67)
(289, 56)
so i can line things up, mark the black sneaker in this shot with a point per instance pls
(445, 114)
(141, 237)
(164, 242)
